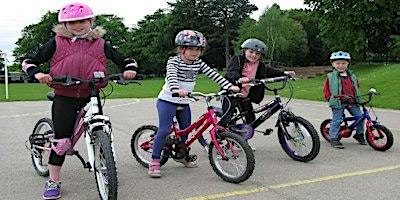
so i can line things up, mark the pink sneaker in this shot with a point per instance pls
(154, 168)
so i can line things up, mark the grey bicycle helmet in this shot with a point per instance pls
(190, 38)
(340, 55)
(255, 44)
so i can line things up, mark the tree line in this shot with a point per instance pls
(368, 29)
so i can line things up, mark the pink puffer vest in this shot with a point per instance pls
(77, 59)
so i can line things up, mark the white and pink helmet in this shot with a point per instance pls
(75, 12)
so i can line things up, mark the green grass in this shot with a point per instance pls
(384, 78)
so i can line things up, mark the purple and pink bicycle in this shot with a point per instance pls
(96, 128)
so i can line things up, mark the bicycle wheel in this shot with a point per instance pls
(299, 139)
(42, 132)
(379, 137)
(324, 128)
(142, 143)
(240, 158)
(104, 166)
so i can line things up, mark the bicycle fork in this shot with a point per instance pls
(282, 123)
(97, 122)
(214, 138)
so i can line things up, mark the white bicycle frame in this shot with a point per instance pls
(94, 121)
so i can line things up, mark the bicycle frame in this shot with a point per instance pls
(89, 119)
(93, 120)
(270, 109)
(204, 122)
(365, 115)
(369, 122)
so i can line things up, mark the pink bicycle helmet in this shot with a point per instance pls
(75, 12)
(190, 38)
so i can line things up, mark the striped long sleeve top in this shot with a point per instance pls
(183, 76)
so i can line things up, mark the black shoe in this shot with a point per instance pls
(336, 144)
(360, 139)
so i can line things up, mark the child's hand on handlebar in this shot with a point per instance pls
(290, 73)
(43, 78)
(182, 93)
(234, 88)
(244, 80)
(129, 74)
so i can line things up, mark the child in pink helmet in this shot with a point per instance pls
(77, 50)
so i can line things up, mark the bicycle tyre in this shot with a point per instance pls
(372, 140)
(37, 159)
(324, 129)
(104, 167)
(225, 138)
(144, 158)
(309, 128)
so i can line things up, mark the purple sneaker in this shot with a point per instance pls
(52, 190)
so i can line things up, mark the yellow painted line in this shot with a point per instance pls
(291, 184)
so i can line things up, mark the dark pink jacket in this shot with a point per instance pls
(79, 58)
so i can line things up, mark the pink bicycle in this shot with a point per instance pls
(230, 156)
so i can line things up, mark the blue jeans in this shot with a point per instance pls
(166, 113)
(337, 114)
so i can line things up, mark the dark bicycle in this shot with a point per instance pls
(378, 136)
(297, 136)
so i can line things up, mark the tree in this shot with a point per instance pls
(153, 38)
(1, 61)
(318, 51)
(285, 38)
(362, 27)
(228, 15)
(151, 42)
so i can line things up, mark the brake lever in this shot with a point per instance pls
(135, 82)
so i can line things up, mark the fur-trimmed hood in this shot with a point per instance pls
(94, 34)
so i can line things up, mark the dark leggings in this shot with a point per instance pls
(166, 113)
(244, 104)
(64, 112)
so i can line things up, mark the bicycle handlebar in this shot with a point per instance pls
(209, 96)
(268, 80)
(282, 79)
(371, 92)
(99, 77)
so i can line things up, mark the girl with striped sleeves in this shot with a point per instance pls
(182, 70)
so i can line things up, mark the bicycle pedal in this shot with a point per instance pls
(268, 131)
(191, 158)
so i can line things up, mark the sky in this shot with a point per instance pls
(18, 14)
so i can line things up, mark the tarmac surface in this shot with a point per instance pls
(356, 172)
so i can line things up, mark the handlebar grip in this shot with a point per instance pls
(276, 79)
(176, 94)
(60, 79)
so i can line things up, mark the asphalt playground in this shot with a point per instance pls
(356, 172)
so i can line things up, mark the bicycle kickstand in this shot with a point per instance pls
(85, 164)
